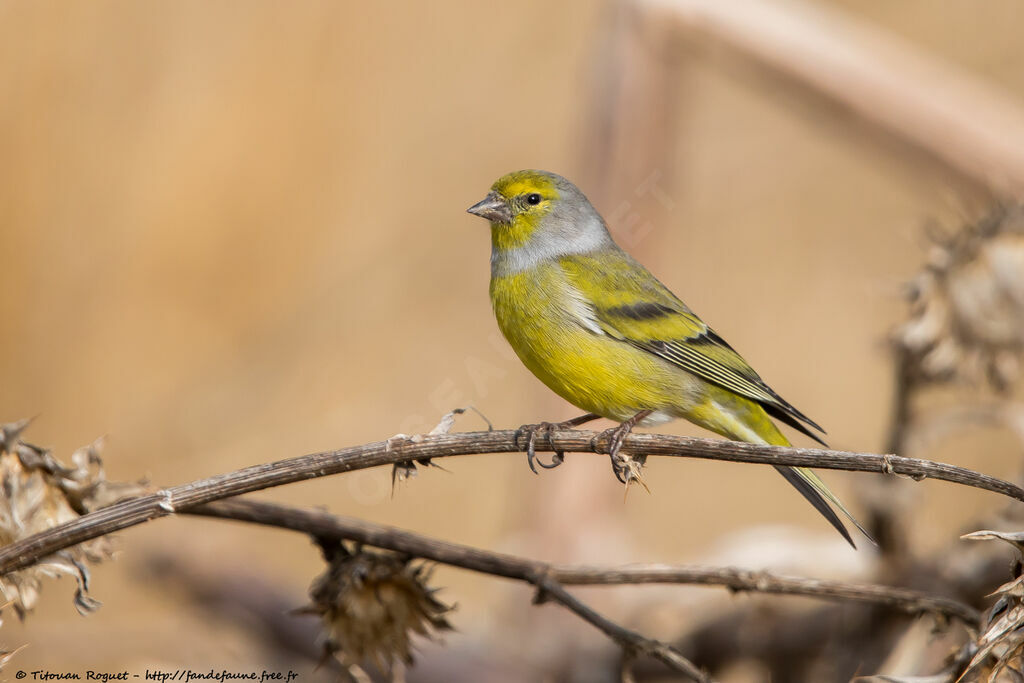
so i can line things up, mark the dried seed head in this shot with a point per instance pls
(998, 652)
(371, 604)
(967, 306)
(39, 492)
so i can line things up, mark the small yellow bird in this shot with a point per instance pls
(604, 334)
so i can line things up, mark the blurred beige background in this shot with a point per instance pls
(235, 232)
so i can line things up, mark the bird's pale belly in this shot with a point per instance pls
(590, 369)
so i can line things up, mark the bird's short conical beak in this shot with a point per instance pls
(492, 207)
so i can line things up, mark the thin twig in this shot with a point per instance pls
(631, 641)
(324, 525)
(405, 449)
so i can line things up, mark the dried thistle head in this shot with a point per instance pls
(998, 652)
(39, 492)
(967, 306)
(372, 603)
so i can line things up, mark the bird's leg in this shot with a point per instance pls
(626, 468)
(530, 431)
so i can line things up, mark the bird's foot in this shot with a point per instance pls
(626, 467)
(530, 431)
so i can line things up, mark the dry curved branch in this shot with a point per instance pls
(327, 528)
(417, 448)
(324, 525)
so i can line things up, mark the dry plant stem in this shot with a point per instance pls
(631, 641)
(906, 386)
(324, 525)
(405, 449)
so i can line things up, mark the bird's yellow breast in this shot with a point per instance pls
(540, 316)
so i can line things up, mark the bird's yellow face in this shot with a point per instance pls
(516, 206)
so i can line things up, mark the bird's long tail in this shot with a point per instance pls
(814, 490)
(742, 419)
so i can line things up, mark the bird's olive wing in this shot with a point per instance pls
(630, 304)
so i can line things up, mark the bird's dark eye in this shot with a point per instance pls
(533, 198)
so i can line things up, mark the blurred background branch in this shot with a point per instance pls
(323, 525)
(902, 97)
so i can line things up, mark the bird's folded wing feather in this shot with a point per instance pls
(626, 302)
(630, 304)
